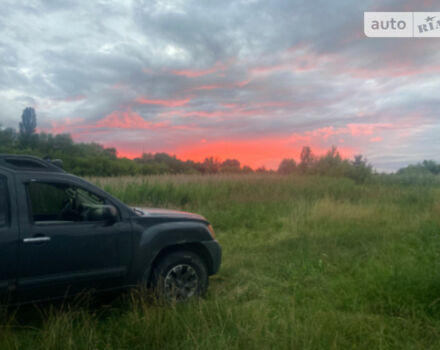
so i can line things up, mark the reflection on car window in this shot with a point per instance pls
(4, 210)
(63, 203)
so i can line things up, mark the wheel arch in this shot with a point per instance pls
(194, 247)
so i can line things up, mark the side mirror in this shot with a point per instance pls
(108, 213)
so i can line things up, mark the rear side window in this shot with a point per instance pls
(47, 200)
(4, 202)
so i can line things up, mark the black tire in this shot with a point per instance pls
(180, 276)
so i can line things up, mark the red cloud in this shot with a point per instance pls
(301, 58)
(126, 120)
(229, 110)
(217, 114)
(65, 126)
(296, 59)
(114, 120)
(392, 70)
(266, 104)
(242, 83)
(210, 87)
(222, 86)
(350, 129)
(376, 139)
(230, 105)
(166, 103)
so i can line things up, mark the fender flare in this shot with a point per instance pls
(162, 237)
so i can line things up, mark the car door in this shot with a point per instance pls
(8, 233)
(65, 248)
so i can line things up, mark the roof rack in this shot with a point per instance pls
(30, 163)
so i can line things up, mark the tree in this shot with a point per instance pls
(8, 139)
(63, 142)
(307, 159)
(426, 167)
(28, 126)
(261, 170)
(111, 152)
(287, 166)
(231, 166)
(211, 165)
(247, 170)
(432, 166)
(174, 165)
(359, 161)
(145, 158)
(28, 123)
(331, 164)
(360, 170)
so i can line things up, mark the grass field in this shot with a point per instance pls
(309, 263)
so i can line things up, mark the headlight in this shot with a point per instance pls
(211, 231)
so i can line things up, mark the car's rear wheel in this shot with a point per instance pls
(180, 276)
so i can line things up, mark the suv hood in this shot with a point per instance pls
(154, 212)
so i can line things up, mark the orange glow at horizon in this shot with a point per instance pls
(254, 151)
(267, 152)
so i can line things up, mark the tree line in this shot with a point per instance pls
(92, 159)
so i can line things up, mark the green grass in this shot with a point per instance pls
(309, 263)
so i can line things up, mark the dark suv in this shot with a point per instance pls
(60, 234)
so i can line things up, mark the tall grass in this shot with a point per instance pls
(309, 263)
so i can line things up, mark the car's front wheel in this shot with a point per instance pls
(180, 276)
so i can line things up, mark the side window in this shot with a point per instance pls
(4, 202)
(63, 203)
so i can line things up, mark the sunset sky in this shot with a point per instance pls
(252, 80)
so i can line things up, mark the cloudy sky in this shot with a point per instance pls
(252, 80)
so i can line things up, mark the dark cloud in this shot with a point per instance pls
(249, 70)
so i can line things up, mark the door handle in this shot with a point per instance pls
(40, 239)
